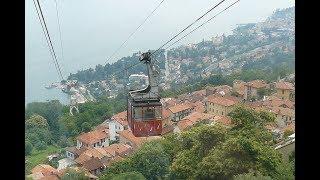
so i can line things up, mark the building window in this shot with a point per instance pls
(282, 91)
(222, 113)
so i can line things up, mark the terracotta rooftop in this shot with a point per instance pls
(257, 84)
(221, 100)
(76, 151)
(192, 119)
(290, 127)
(277, 102)
(224, 120)
(284, 85)
(183, 124)
(199, 106)
(283, 111)
(92, 164)
(121, 118)
(194, 96)
(50, 177)
(127, 134)
(93, 136)
(118, 149)
(44, 169)
(82, 158)
(165, 113)
(254, 104)
(180, 107)
(239, 87)
(168, 102)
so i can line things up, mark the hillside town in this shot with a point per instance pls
(267, 42)
(112, 140)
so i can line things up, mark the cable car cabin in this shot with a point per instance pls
(144, 106)
(145, 118)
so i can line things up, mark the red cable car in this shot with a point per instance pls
(144, 106)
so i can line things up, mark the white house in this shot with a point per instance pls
(118, 123)
(95, 138)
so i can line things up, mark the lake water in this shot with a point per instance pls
(92, 30)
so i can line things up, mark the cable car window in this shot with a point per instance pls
(144, 113)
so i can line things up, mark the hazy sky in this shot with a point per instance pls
(93, 29)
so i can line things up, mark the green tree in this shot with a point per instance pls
(40, 145)
(251, 176)
(123, 166)
(124, 176)
(244, 117)
(36, 121)
(28, 148)
(151, 160)
(51, 111)
(37, 131)
(86, 127)
(184, 165)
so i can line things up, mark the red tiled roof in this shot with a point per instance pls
(45, 169)
(93, 136)
(180, 107)
(127, 134)
(118, 149)
(257, 84)
(192, 119)
(277, 102)
(224, 120)
(121, 118)
(82, 158)
(239, 87)
(168, 102)
(76, 151)
(92, 164)
(165, 113)
(284, 85)
(221, 100)
(283, 111)
(290, 127)
(199, 106)
(50, 177)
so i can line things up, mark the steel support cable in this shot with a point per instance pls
(46, 37)
(202, 24)
(58, 19)
(117, 50)
(47, 32)
(188, 26)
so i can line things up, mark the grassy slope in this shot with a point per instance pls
(39, 157)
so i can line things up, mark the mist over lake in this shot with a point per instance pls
(93, 29)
